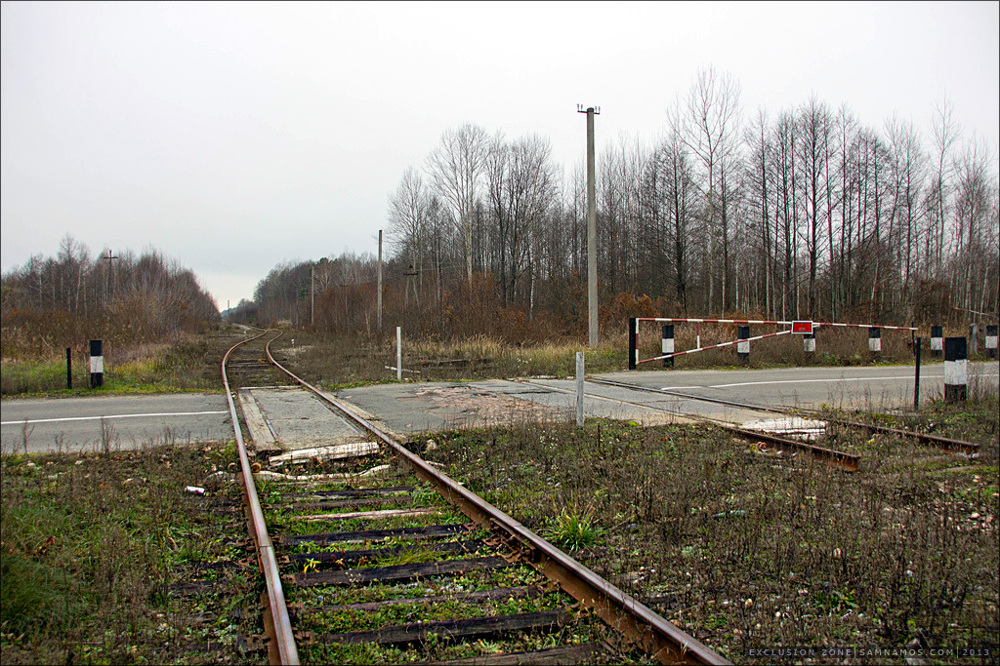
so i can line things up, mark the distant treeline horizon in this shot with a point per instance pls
(804, 214)
(50, 303)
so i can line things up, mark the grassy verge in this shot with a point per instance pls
(183, 366)
(99, 553)
(747, 549)
(343, 361)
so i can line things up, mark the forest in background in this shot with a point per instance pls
(805, 214)
(49, 304)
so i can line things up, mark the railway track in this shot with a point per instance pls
(845, 460)
(383, 557)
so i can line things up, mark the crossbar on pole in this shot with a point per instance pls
(765, 322)
(721, 344)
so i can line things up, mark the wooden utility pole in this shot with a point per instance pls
(591, 223)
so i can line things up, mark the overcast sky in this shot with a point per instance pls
(232, 137)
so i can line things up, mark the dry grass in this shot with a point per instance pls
(140, 368)
(351, 360)
(748, 549)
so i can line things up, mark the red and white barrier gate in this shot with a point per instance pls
(805, 328)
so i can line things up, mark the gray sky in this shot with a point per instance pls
(232, 137)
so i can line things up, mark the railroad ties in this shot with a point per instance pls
(378, 556)
(372, 565)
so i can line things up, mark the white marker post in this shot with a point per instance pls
(399, 354)
(579, 389)
(991, 340)
(743, 346)
(875, 340)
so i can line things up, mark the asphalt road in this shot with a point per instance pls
(74, 424)
(415, 407)
(876, 387)
(126, 422)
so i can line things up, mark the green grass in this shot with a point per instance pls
(91, 547)
(573, 527)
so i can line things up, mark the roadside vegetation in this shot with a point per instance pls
(748, 548)
(105, 558)
(339, 361)
(151, 368)
(190, 361)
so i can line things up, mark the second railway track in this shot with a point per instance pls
(383, 558)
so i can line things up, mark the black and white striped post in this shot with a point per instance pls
(991, 340)
(667, 346)
(743, 344)
(633, 343)
(956, 371)
(875, 340)
(96, 364)
(937, 340)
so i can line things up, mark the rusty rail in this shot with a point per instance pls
(277, 625)
(848, 461)
(934, 440)
(660, 638)
(946, 443)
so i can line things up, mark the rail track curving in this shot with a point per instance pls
(388, 536)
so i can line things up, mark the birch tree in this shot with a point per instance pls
(456, 169)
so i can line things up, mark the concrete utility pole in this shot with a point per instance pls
(591, 223)
(380, 282)
(111, 274)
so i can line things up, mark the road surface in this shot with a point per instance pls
(123, 422)
(75, 424)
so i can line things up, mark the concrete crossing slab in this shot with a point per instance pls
(300, 420)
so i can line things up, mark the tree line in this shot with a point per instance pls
(50, 303)
(806, 214)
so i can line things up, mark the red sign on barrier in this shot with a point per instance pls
(804, 327)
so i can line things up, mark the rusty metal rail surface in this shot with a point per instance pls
(842, 459)
(946, 443)
(277, 625)
(648, 630)
(848, 461)
(926, 438)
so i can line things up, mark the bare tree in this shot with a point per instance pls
(408, 222)
(813, 129)
(945, 134)
(908, 162)
(456, 169)
(521, 186)
(975, 215)
(757, 182)
(709, 129)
